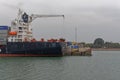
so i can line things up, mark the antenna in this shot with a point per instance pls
(76, 34)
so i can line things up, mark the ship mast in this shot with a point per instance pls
(20, 30)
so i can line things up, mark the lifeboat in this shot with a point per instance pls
(13, 33)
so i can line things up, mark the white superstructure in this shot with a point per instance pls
(20, 30)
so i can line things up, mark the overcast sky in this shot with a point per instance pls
(92, 18)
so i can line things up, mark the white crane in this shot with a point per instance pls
(34, 16)
(21, 26)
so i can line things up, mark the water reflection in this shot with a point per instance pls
(31, 68)
(103, 65)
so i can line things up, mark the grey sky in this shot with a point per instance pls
(93, 18)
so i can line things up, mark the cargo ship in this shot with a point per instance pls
(17, 39)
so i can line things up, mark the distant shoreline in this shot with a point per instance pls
(105, 49)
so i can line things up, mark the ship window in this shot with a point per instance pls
(20, 28)
(25, 28)
(20, 31)
(19, 36)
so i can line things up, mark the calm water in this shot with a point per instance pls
(103, 65)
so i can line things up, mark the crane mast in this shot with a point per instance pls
(20, 30)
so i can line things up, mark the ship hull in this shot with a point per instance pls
(17, 49)
(28, 55)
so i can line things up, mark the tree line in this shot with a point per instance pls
(100, 43)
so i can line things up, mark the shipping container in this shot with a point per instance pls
(3, 31)
(3, 34)
(3, 43)
(3, 27)
(2, 39)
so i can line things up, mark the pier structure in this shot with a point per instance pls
(76, 49)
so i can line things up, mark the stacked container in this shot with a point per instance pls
(3, 35)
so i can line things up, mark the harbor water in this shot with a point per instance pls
(102, 65)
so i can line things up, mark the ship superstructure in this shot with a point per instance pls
(20, 30)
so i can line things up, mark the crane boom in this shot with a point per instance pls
(34, 16)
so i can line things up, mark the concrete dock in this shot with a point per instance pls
(79, 52)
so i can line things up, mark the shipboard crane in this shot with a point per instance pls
(21, 25)
(25, 18)
(34, 16)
